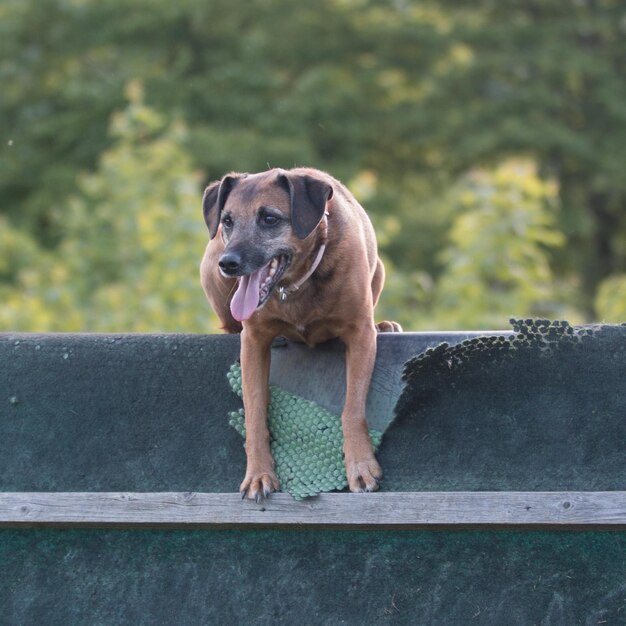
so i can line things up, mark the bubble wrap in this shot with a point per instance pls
(306, 441)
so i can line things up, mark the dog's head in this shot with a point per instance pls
(265, 221)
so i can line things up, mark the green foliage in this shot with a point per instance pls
(130, 255)
(408, 97)
(496, 261)
(546, 80)
(611, 299)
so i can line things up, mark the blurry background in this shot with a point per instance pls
(486, 139)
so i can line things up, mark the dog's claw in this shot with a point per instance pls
(363, 476)
(258, 486)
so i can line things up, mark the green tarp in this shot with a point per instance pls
(150, 413)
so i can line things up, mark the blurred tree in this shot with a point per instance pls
(35, 294)
(611, 299)
(544, 79)
(496, 262)
(129, 261)
(416, 94)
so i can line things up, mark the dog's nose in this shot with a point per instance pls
(230, 262)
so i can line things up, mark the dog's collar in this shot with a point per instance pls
(285, 292)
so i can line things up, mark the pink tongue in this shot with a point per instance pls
(246, 298)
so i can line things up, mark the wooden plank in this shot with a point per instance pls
(396, 509)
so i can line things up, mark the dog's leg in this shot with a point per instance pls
(377, 286)
(378, 281)
(260, 479)
(362, 469)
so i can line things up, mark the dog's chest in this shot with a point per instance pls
(311, 334)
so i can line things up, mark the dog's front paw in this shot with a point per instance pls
(388, 327)
(259, 484)
(364, 474)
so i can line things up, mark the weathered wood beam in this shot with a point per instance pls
(385, 509)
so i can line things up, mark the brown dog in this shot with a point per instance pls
(293, 254)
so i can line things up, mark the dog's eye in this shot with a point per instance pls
(227, 221)
(269, 220)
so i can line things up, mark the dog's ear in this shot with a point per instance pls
(308, 197)
(214, 198)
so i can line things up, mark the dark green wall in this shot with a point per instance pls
(311, 577)
(149, 413)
